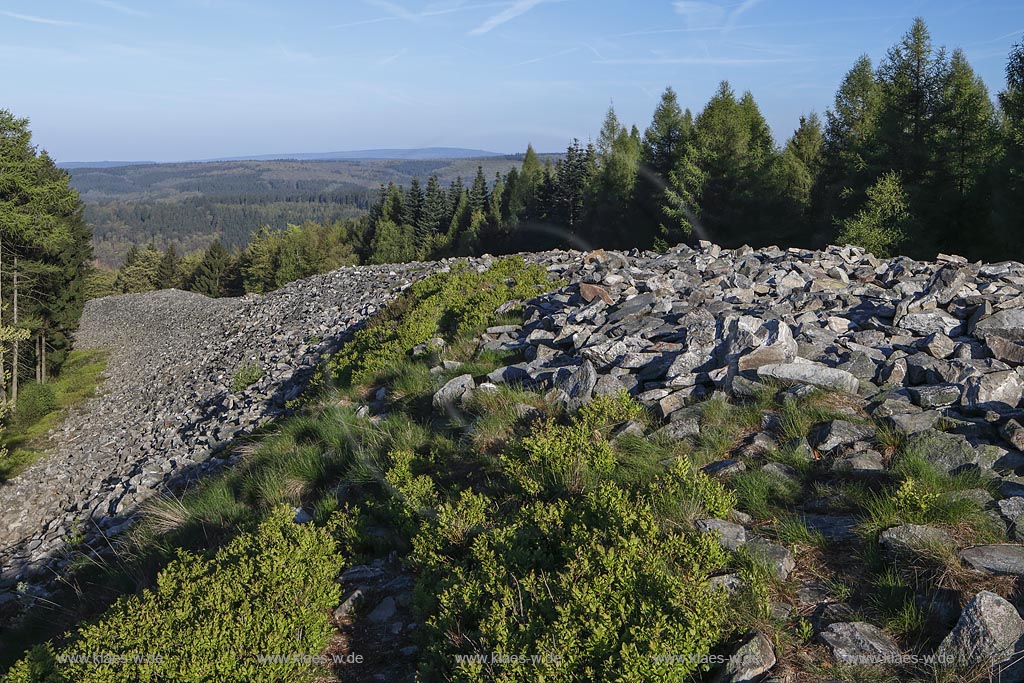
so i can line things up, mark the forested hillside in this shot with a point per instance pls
(187, 205)
(914, 157)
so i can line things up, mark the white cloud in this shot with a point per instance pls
(514, 10)
(37, 20)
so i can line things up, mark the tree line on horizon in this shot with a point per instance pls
(914, 158)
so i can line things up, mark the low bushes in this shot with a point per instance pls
(267, 592)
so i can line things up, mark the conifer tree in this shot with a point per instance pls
(478, 191)
(167, 272)
(212, 274)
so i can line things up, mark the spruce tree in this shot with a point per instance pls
(412, 204)
(968, 147)
(1008, 202)
(167, 272)
(478, 191)
(432, 217)
(851, 141)
(212, 275)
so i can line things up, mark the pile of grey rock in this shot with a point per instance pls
(931, 350)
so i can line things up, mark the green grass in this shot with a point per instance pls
(246, 376)
(26, 442)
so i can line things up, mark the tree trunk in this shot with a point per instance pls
(42, 347)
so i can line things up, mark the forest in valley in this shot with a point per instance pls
(914, 157)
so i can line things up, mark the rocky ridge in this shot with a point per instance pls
(167, 403)
(933, 350)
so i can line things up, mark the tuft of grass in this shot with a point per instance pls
(762, 495)
(246, 376)
(792, 530)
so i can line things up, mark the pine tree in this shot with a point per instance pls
(851, 133)
(212, 275)
(968, 147)
(478, 192)
(167, 272)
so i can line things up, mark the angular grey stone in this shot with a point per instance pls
(857, 642)
(680, 429)
(813, 374)
(913, 423)
(452, 392)
(951, 452)
(935, 395)
(723, 468)
(834, 434)
(349, 604)
(999, 559)
(909, 540)
(751, 660)
(777, 557)
(580, 386)
(730, 535)
(1007, 323)
(1013, 432)
(384, 611)
(927, 322)
(999, 391)
(1005, 350)
(989, 633)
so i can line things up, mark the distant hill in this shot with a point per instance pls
(188, 204)
(422, 153)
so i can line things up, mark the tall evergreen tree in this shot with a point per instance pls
(412, 204)
(799, 168)
(478, 191)
(432, 217)
(1008, 203)
(167, 275)
(968, 147)
(850, 144)
(212, 275)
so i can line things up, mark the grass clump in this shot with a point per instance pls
(269, 591)
(246, 376)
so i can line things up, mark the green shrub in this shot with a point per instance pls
(35, 401)
(268, 592)
(445, 303)
(594, 586)
(246, 376)
(573, 457)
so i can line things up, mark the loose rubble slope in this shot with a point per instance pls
(167, 401)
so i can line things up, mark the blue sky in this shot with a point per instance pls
(189, 79)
